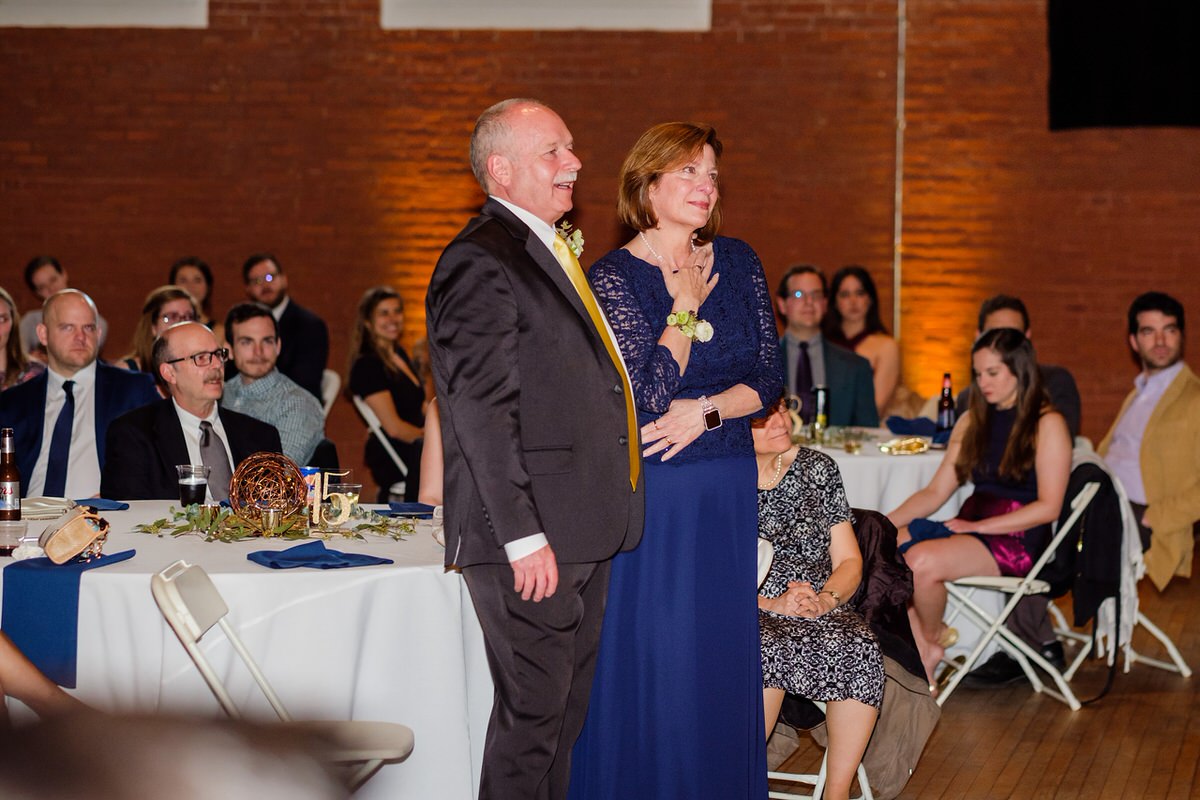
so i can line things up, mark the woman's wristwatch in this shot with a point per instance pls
(712, 415)
(837, 598)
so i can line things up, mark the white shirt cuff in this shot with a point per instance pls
(519, 548)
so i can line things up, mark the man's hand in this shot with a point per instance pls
(536, 575)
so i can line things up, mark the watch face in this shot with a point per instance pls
(712, 419)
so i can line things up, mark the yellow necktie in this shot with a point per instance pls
(570, 265)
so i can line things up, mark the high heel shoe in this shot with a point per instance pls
(949, 638)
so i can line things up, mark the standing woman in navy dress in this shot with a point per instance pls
(676, 708)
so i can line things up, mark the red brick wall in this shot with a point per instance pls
(301, 127)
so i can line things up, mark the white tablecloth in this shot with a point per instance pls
(398, 643)
(881, 482)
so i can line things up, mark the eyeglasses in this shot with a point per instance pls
(174, 317)
(815, 296)
(221, 354)
(268, 278)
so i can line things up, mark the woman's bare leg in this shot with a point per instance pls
(772, 702)
(849, 723)
(932, 563)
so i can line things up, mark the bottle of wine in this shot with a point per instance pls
(10, 477)
(945, 414)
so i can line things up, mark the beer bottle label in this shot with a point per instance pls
(10, 496)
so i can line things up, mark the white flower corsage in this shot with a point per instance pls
(691, 325)
(572, 236)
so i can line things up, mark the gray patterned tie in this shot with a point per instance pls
(212, 453)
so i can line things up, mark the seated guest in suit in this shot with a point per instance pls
(262, 391)
(147, 444)
(383, 375)
(303, 334)
(813, 644)
(45, 276)
(1015, 448)
(810, 360)
(853, 322)
(1004, 311)
(164, 307)
(60, 418)
(196, 276)
(15, 366)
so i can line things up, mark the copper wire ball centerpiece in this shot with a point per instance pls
(266, 481)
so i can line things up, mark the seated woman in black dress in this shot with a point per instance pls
(383, 375)
(813, 644)
(1016, 449)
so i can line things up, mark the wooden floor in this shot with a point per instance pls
(1142, 740)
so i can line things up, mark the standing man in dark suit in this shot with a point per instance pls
(60, 418)
(809, 360)
(189, 427)
(303, 335)
(542, 483)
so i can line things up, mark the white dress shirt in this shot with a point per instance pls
(191, 436)
(519, 548)
(83, 465)
(1124, 454)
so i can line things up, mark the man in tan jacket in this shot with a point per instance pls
(1154, 444)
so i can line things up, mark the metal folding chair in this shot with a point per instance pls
(191, 605)
(372, 420)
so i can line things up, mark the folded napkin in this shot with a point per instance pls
(315, 555)
(920, 530)
(418, 510)
(100, 504)
(919, 426)
(41, 611)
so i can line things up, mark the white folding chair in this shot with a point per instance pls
(191, 605)
(330, 383)
(369, 417)
(766, 554)
(961, 601)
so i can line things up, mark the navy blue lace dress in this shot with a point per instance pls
(676, 705)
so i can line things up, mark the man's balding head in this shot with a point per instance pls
(69, 331)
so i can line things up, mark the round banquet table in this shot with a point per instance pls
(881, 482)
(397, 643)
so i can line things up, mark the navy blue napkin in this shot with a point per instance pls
(41, 611)
(920, 530)
(100, 504)
(919, 426)
(417, 510)
(315, 555)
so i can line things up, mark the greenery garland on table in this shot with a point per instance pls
(223, 525)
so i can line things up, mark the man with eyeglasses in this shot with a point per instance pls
(60, 418)
(189, 427)
(303, 335)
(810, 361)
(262, 391)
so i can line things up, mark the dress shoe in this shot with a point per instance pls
(1003, 670)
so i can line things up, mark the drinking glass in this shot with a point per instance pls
(193, 483)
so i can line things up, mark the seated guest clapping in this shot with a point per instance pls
(1016, 449)
(147, 444)
(262, 391)
(164, 307)
(60, 418)
(813, 644)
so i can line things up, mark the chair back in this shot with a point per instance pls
(191, 605)
(330, 383)
(376, 429)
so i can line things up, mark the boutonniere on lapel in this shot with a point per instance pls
(572, 236)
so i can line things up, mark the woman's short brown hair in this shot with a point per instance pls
(659, 150)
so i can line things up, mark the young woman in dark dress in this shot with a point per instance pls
(1015, 448)
(383, 375)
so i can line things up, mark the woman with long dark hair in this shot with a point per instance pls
(1015, 448)
(853, 322)
(196, 276)
(384, 376)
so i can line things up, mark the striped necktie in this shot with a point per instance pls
(570, 265)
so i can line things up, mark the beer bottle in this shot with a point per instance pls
(945, 414)
(10, 478)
